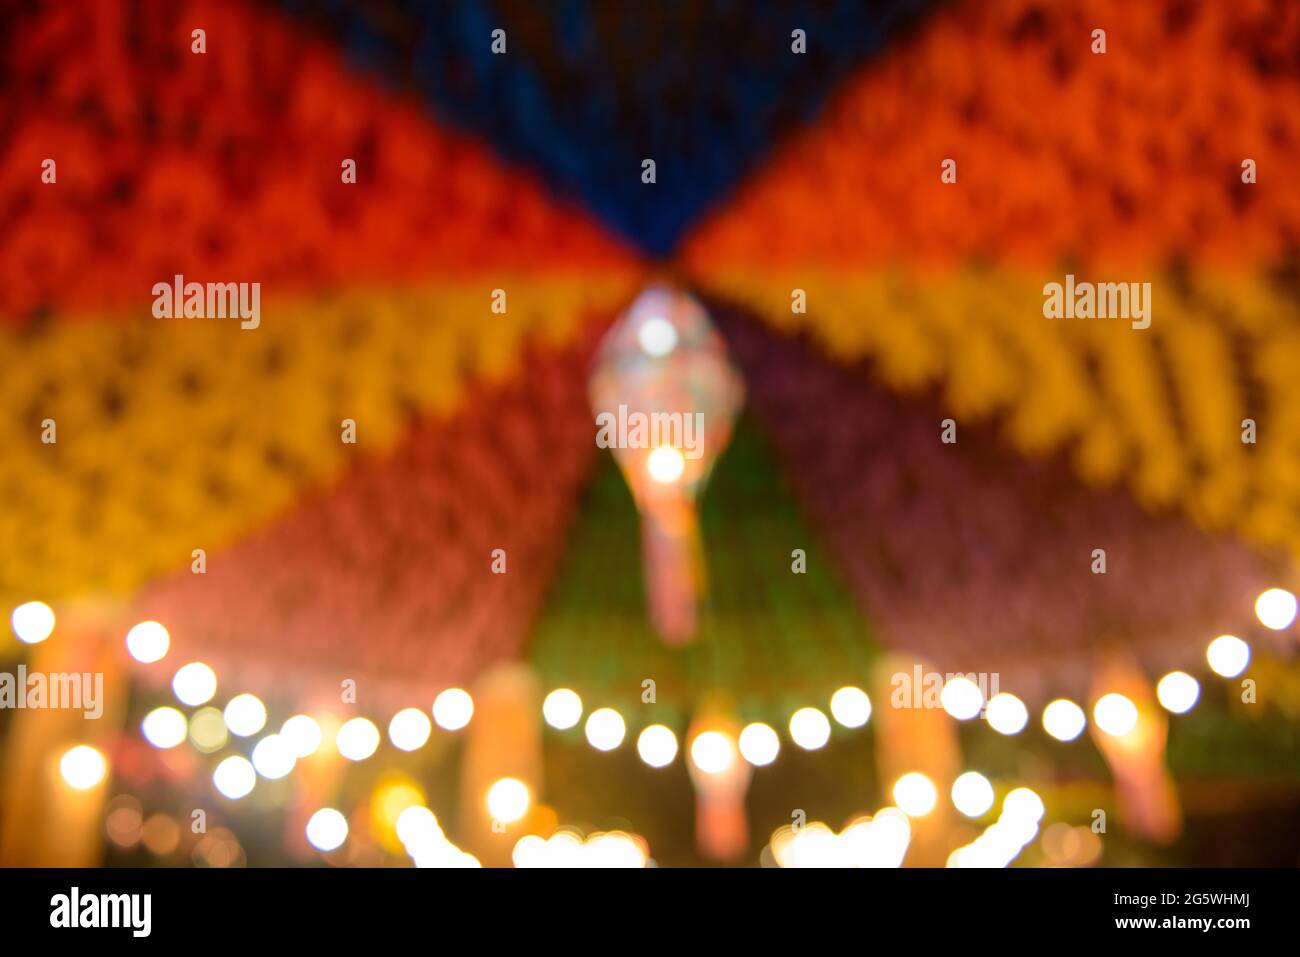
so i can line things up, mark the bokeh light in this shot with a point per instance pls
(409, 729)
(657, 745)
(194, 684)
(273, 757)
(164, 727)
(567, 849)
(759, 744)
(1115, 714)
(508, 800)
(417, 824)
(605, 729)
(82, 767)
(665, 464)
(208, 731)
(1276, 608)
(1178, 692)
(851, 707)
(1071, 846)
(657, 336)
(453, 709)
(235, 777)
(148, 642)
(1006, 714)
(245, 715)
(161, 835)
(1228, 656)
(303, 735)
(1002, 841)
(418, 830)
(879, 841)
(327, 829)
(972, 794)
(32, 622)
(123, 821)
(1023, 804)
(810, 729)
(713, 752)
(961, 698)
(562, 709)
(357, 739)
(915, 794)
(1064, 720)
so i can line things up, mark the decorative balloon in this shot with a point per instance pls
(665, 396)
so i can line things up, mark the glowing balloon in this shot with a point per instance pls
(665, 397)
